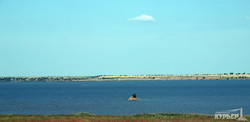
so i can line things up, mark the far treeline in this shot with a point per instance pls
(225, 76)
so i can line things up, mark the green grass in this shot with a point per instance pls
(147, 117)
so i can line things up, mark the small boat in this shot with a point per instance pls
(133, 97)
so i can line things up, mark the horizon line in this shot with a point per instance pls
(231, 73)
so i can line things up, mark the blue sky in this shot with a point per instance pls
(125, 37)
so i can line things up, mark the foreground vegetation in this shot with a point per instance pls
(86, 117)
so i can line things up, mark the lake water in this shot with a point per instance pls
(110, 97)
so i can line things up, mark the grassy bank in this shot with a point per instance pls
(85, 117)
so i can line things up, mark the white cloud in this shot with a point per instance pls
(142, 17)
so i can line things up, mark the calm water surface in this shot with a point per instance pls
(110, 97)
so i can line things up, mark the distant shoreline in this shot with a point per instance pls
(129, 77)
